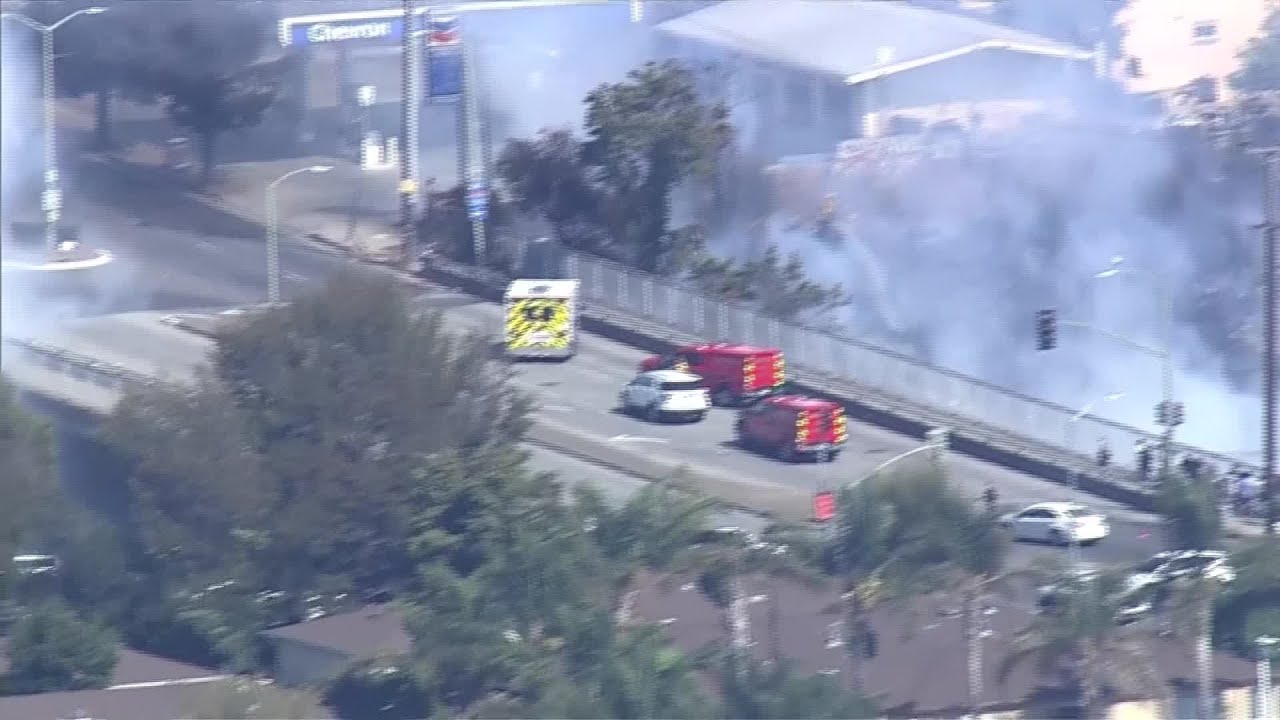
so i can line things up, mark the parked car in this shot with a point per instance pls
(1059, 523)
(662, 394)
(794, 427)
(1050, 598)
(735, 374)
(1166, 567)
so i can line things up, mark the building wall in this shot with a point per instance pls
(300, 664)
(1142, 710)
(1169, 43)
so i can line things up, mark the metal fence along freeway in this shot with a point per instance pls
(848, 360)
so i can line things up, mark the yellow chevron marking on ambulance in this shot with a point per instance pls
(539, 322)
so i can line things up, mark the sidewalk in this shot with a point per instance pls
(345, 208)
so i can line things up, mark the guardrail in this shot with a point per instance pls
(841, 357)
(81, 367)
(815, 371)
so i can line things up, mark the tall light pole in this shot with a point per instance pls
(1270, 222)
(1169, 413)
(1266, 646)
(51, 198)
(1074, 551)
(410, 124)
(273, 229)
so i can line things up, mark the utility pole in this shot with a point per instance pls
(410, 100)
(1271, 216)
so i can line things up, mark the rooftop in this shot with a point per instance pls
(932, 638)
(857, 40)
(138, 667)
(358, 634)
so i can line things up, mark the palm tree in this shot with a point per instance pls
(651, 531)
(861, 557)
(957, 542)
(1084, 642)
(722, 565)
(1193, 521)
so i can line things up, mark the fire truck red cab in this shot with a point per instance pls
(794, 427)
(735, 374)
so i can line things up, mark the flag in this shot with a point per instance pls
(442, 31)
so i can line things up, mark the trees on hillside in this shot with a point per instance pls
(28, 478)
(1260, 60)
(611, 194)
(94, 54)
(51, 649)
(205, 62)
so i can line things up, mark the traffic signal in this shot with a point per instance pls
(1046, 329)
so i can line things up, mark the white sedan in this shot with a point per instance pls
(1060, 523)
(661, 394)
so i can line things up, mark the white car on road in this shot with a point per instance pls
(1060, 523)
(662, 394)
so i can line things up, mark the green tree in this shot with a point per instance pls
(249, 472)
(381, 688)
(206, 64)
(94, 54)
(776, 690)
(1192, 518)
(28, 475)
(51, 649)
(1260, 60)
(647, 135)
(1083, 644)
(778, 287)
(547, 176)
(1250, 606)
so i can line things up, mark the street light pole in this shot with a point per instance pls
(1169, 414)
(1074, 550)
(273, 229)
(51, 197)
(1270, 221)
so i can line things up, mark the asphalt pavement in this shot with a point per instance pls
(162, 266)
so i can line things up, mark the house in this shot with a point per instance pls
(319, 650)
(144, 687)
(803, 75)
(805, 628)
(925, 643)
(1171, 46)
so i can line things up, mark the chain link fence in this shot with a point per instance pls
(845, 359)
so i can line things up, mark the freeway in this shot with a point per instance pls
(578, 397)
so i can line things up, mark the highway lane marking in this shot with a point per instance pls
(636, 438)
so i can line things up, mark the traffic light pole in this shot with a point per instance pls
(410, 87)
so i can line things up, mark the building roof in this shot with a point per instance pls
(153, 701)
(359, 634)
(858, 40)
(930, 640)
(134, 667)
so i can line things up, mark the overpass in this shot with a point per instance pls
(88, 363)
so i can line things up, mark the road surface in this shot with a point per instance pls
(580, 395)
